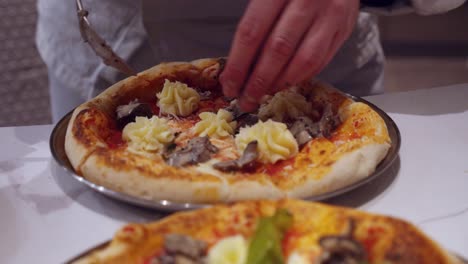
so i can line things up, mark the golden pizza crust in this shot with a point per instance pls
(322, 166)
(385, 239)
(150, 178)
(81, 139)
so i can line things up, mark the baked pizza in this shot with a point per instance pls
(271, 232)
(169, 133)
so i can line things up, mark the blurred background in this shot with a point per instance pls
(422, 52)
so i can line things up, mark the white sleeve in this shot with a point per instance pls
(421, 7)
(429, 7)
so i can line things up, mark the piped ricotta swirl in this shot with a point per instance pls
(219, 125)
(275, 141)
(148, 134)
(177, 99)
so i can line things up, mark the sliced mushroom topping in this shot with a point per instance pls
(304, 130)
(198, 150)
(127, 113)
(250, 154)
(205, 95)
(342, 244)
(341, 249)
(226, 166)
(304, 123)
(246, 119)
(181, 249)
(246, 160)
(234, 109)
(243, 118)
(302, 138)
(184, 245)
(328, 122)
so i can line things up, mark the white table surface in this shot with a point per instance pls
(48, 217)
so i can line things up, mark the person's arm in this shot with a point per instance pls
(282, 42)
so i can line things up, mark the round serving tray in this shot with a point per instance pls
(57, 140)
(106, 243)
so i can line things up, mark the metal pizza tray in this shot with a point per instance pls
(57, 148)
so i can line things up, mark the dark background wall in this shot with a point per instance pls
(437, 35)
(425, 51)
(422, 52)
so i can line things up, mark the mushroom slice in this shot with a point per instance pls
(303, 137)
(341, 249)
(246, 160)
(198, 150)
(185, 245)
(205, 95)
(127, 113)
(246, 119)
(181, 249)
(304, 130)
(328, 122)
(234, 109)
(243, 118)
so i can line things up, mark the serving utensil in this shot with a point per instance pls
(98, 44)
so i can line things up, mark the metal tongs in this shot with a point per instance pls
(98, 44)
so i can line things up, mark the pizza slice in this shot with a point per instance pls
(269, 232)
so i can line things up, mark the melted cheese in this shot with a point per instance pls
(285, 104)
(296, 258)
(218, 125)
(148, 135)
(177, 99)
(275, 141)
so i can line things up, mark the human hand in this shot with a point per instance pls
(282, 42)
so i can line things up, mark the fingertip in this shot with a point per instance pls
(229, 88)
(230, 81)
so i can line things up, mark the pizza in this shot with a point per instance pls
(271, 232)
(170, 134)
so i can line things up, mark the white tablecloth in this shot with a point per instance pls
(48, 217)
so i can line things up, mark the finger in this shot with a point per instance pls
(337, 41)
(251, 32)
(333, 47)
(343, 33)
(277, 51)
(311, 55)
(334, 26)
